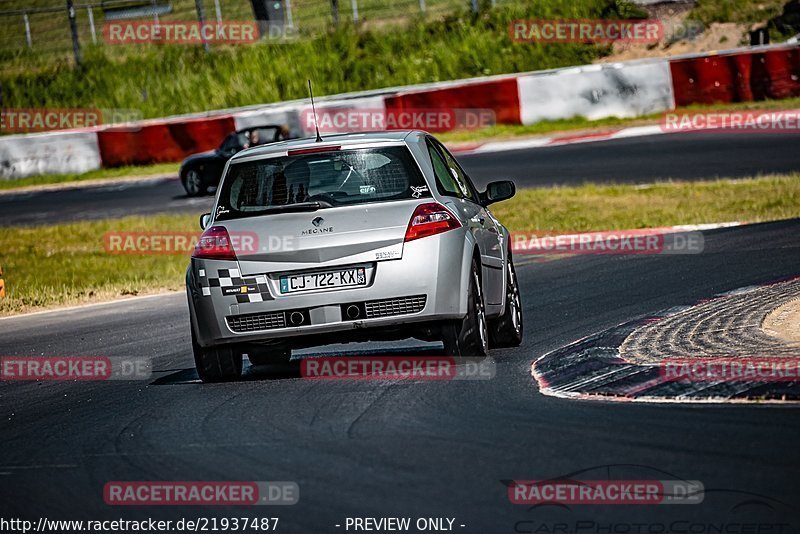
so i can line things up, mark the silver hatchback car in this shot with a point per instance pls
(359, 237)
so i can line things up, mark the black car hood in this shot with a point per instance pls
(201, 157)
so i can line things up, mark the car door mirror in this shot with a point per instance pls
(497, 191)
(205, 220)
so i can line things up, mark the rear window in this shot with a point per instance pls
(335, 178)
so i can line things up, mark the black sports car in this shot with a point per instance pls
(202, 171)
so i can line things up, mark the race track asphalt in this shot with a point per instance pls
(401, 448)
(634, 160)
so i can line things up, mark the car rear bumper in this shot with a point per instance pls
(427, 284)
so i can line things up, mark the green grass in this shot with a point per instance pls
(392, 45)
(620, 207)
(165, 80)
(100, 174)
(67, 263)
(743, 11)
(50, 31)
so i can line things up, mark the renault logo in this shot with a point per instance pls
(317, 221)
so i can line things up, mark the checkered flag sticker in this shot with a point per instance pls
(231, 284)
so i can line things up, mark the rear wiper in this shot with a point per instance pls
(300, 206)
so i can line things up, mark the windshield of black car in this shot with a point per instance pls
(234, 142)
(332, 178)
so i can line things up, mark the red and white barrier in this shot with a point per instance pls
(498, 95)
(161, 141)
(626, 89)
(759, 74)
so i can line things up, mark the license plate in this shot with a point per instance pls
(323, 280)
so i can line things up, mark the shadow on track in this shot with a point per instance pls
(281, 371)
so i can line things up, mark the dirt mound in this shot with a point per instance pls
(682, 35)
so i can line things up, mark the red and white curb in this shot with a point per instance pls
(592, 369)
(558, 140)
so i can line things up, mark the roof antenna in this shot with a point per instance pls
(316, 124)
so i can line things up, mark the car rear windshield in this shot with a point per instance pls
(333, 178)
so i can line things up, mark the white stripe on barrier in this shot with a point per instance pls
(596, 92)
(64, 152)
(287, 115)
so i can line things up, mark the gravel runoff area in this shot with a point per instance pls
(742, 345)
(761, 321)
(784, 322)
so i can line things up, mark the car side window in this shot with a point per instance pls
(456, 173)
(444, 181)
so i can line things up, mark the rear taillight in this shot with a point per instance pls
(430, 219)
(215, 244)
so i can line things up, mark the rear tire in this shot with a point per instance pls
(469, 336)
(193, 183)
(269, 354)
(217, 364)
(506, 330)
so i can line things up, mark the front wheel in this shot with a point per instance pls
(217, 364)
(506, 330)
(193, 183)
(469, 336)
